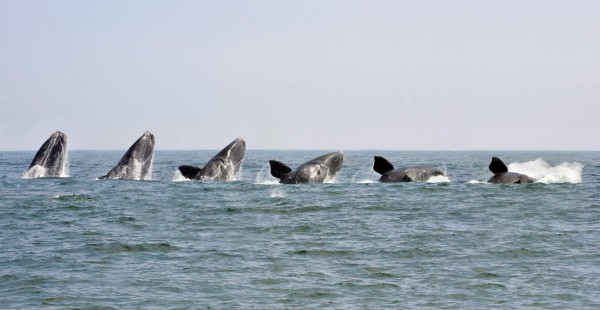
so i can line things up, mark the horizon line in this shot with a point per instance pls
(351, 150)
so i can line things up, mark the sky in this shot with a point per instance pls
(326, 75)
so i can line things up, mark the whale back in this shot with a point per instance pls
(511, 178)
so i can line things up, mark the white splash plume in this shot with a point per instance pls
(546, 173)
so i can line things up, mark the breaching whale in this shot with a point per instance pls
(136, 164)
(51, 159)
(222, 167)
(501, 174)
(318, 170)
(407, 174)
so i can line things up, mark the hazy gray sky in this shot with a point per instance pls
(338, 75)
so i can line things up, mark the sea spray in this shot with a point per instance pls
(36, 171)
(39, 171)
(64, 172)
(365, 176)
(277, 192)
(148, 176)
(239, 175)
(178, 177)
(546, 173)
(264, 176)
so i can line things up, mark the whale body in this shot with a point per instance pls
(222, 167)
(503, 176)
(136, 164)
(318, 170)
(407, 174)
(51, 159)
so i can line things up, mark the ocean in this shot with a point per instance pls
(352, 243)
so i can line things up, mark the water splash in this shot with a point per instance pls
(477, 182)
(546, 173)
(439, 179)
(264, 176)
(39, 171)
(239, 175)
(36, 171)
(330, 179)
(148, 176)
(64, 170)
(224, 171)
(365, 176)
(178, 177)
(276, 192)
(364, 181)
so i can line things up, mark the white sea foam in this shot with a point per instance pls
(363, 181)
(178, 177)
(546, 173)
(329, 179)
(477, 182)
(439, 179)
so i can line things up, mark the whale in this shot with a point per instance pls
(503, 176)
(136, 164)
(222, 167)
(406, 174)
(51, 159)
(317, 170)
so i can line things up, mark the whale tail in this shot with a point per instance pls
(497, 166)
(279, 169)
(189, 172)
(381, 165)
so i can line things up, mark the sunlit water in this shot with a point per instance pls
(78, 242)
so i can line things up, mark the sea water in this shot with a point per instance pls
(79, 242)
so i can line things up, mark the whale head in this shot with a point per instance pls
(136, 164)
(143, 149)
(50, 159)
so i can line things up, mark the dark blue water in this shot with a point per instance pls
(83, 243)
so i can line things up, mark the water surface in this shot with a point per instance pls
(79, 242)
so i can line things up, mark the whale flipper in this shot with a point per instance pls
(382, 165)
(279, 169)
(497, 166)
(189, 172)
